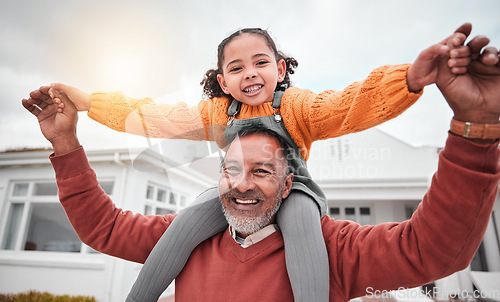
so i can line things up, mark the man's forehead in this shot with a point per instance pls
(255, 148)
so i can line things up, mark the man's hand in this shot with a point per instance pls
(474, 96)
(425, 70)
(58, 127)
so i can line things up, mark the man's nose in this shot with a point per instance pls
(243, 182)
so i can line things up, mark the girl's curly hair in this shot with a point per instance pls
(211, 87)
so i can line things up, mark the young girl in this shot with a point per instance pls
(251, 84)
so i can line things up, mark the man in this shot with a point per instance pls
(246, 263)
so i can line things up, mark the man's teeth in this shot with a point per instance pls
(252, 89)
(248, 201)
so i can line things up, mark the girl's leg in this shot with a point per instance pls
(192, 226)
(305, 249)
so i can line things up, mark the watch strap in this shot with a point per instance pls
(475, 130)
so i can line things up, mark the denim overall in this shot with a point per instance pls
(301, 178)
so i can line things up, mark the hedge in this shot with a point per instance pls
(34, 296)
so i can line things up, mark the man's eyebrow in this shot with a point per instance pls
(229, 161)
(266, 164)
(232, 161)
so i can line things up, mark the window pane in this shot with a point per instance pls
(335, 213)
(149, 192)
(148, 210)
(172, 198)
(107, 186)
(50, 230)
(161, 196)
(45, 189)
(20, 190)
(350, 214)
(161, 211)
(13, 222)
(365, 216)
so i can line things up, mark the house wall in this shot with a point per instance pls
(106, 278)
(55, 272)
(369, 169)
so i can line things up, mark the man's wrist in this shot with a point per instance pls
(482, 133)
(63, 145)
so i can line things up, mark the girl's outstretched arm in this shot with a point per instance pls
(80, 98)
(143, 117)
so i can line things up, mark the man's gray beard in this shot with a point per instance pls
(250, 225)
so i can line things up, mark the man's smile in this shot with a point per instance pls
(246, 201)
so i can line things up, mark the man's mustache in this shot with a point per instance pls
(252, 194)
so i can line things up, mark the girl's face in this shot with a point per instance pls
(250, 72)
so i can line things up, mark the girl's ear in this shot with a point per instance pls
(222, 83)
(281, 70)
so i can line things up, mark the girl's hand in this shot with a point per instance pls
(451, 51)
(58, 127)
(79, 98)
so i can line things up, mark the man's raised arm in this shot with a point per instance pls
(97, 221)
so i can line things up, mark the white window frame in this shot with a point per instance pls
(357, 212)
(152, 205)
(28, 201)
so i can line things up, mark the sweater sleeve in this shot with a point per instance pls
(96, 220)
(382, 96)
(440, 238)
(148, 118)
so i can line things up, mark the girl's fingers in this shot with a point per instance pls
(459, 62)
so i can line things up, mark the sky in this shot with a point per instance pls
(161, 49)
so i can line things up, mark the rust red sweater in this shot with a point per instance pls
(440, 238)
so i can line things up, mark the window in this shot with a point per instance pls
(162, 201)
(36, 220)
(361, 215)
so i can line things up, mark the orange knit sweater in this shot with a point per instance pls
(308, 116)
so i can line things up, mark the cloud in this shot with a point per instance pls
(173, 43)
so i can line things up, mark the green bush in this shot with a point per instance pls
(34, 296)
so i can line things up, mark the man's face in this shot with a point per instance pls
(253, 182)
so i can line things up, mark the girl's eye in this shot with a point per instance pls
(234, 69)
(262, 63)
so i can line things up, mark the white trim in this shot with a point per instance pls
(52, 260)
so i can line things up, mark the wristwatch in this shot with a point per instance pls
(475, 130)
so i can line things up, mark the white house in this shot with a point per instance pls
(369, 177)
(39, 249)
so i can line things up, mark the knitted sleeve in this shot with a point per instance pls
(382, 96)
(146, 117)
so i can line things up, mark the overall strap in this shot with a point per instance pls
(234, 108)
(277, 98)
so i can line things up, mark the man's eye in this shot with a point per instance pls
(232, 170)
(262, 172)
